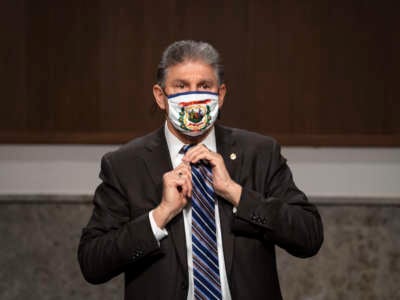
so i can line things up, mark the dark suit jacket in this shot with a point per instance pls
(272, 211)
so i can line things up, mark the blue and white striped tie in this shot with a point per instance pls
(207, 283)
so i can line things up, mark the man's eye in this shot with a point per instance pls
(205, 86)
(180, 86)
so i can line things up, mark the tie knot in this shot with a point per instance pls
(185, 148)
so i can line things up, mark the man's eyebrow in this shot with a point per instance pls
(175, 81)
(208, 81)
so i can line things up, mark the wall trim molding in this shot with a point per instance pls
(121, 137)
(87, 199)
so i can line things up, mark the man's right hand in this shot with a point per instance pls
(177, 187)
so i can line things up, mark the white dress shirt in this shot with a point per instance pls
(174, 146)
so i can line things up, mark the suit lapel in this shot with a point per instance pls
(230, 152)
(157, 158)
(158, 162)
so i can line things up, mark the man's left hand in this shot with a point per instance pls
(224, 186)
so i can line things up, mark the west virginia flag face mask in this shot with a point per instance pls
(192, 113)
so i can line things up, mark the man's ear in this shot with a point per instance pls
(221, 95)
(159, 97)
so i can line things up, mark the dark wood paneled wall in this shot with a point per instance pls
(307, 72)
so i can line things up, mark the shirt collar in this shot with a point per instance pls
(175, 145)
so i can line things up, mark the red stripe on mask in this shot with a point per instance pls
(195, 102)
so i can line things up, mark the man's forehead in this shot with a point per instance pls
(190, 70)
(199, 79)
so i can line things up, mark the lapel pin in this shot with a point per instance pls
(232, 156)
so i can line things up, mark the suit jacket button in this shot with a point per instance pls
(137, 254)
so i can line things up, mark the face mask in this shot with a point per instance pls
(192, 113)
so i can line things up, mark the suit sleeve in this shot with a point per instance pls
(112, 241)
(282, 215)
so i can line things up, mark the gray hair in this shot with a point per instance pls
(185, 50)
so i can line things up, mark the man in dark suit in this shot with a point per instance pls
(144, 217)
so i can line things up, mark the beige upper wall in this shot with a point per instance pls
(64, 169)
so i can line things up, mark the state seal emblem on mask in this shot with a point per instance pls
(193, 112)
(195, 115)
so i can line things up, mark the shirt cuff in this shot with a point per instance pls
(159, 233)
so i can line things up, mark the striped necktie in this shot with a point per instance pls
(207, 284)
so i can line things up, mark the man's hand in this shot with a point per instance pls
(177, 186)
(224, 186)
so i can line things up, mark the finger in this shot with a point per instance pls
(177, 178)
(189, 185)
(179, 173)
(188, 169)
(205, 155)
(185, 184)
(184, 188)
(189, 157)
(182, 166)
(180, 184)
(183, 173)
(169, 179)
(192, 151)
(186, 175)
(185, 169)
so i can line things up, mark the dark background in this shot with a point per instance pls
(307, 72)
